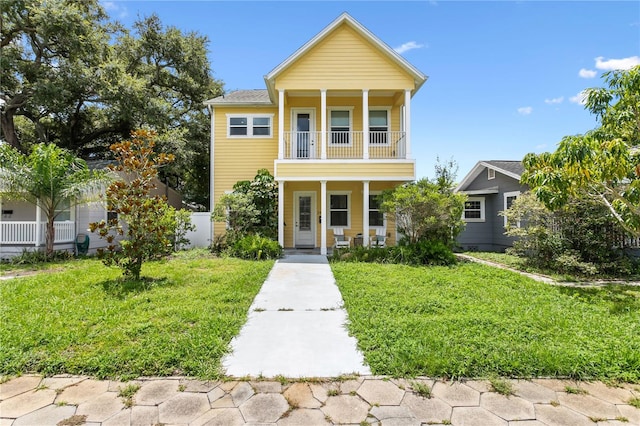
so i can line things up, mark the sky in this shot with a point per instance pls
(505, 77)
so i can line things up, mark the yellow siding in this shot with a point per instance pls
(339, 170)
(240, 158)
(355, 189)
(344, 60)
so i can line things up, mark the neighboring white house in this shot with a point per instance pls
(22, 225)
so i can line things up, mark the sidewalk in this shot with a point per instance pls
(296, 326)
(71, 400)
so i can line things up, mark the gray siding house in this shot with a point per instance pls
(491, 187)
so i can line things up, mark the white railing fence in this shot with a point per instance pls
(345, 145)
(24, 232)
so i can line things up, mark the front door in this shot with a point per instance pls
(305, 213)
(304, 142)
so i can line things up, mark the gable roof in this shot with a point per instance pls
(256, 97)
(511, 168)
(346, 19)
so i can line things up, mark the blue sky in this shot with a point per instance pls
(504, 77)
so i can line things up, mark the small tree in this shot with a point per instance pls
(147, 229)
(49, 177)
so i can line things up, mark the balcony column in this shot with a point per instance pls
(365, 124)
(281, 213)
(365, 213)
(323, 211)
(280, 124)
(38, 226)
(407, 122)
(323, 124)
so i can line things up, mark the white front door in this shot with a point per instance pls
(304, 136)
(305, 219)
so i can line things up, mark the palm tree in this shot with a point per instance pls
(49, 177)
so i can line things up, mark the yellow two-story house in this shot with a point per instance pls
(334, 128)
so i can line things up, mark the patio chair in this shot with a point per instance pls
(341, 240)
(378, 240)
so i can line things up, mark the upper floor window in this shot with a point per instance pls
(474, 209)
(250, 125)
(340, 126)
(491, 174)
(378, 126)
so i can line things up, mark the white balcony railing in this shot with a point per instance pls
(345, 145)
(25, 232)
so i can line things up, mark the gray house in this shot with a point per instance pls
(491, 187)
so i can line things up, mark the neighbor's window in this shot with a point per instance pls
(378, 126)
(509, 198)
(63, 211)
(250, 125)
(340, 125)
(474, 209)
(339, 210)
(376, 217)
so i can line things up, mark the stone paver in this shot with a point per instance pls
(345, 409)
(375, 400)
(183, 408)
(511, 408)
(380, 392)
(264, 408)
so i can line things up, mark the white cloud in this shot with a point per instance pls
(410, 45)
(585, 73)
(525, 110)
(554, 100)
(617, 64)
(580, 98)
(111, 6)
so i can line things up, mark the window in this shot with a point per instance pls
(509, 198)
(378, 126)
(340, 126)
(474, 209)
(376, 217)
(248, 126)
(491, 174)
(339, 210)
(63, 211)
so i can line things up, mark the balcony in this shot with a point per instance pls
(347, 145)
(25, 232)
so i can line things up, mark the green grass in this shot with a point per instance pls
(473, 320)
(84, 320)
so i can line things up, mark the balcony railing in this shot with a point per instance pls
(25, 232)
(345, 145)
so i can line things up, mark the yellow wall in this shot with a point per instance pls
(344, 60)
(365, 170)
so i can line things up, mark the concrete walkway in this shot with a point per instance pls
(72, 400)
(296, 326)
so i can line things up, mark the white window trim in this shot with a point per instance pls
(340, 108)
(482, 209)
(72, 213)
(328, 213)
(507, 195)
(388, 110)
(491, 174)
(384, 215)
(250, 118)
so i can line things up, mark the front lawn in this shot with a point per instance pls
(478, 321)
(80, 321)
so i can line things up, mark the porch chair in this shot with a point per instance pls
(379, 239)
(341, 239)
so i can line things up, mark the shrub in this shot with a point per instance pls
(254, 247)
(423, 252)
(32, 257)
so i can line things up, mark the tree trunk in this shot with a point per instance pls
(50, 237)
(9, 129)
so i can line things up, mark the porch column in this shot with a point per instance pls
(365, 124)
(365, 213)
(281, 213)
(407, 122)
(280, 124)
(323, 124)
(1, 236)
(212, 111)
(38, 218)
(323, 211)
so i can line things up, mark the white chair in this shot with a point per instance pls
(342, 241)
(378, 240)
